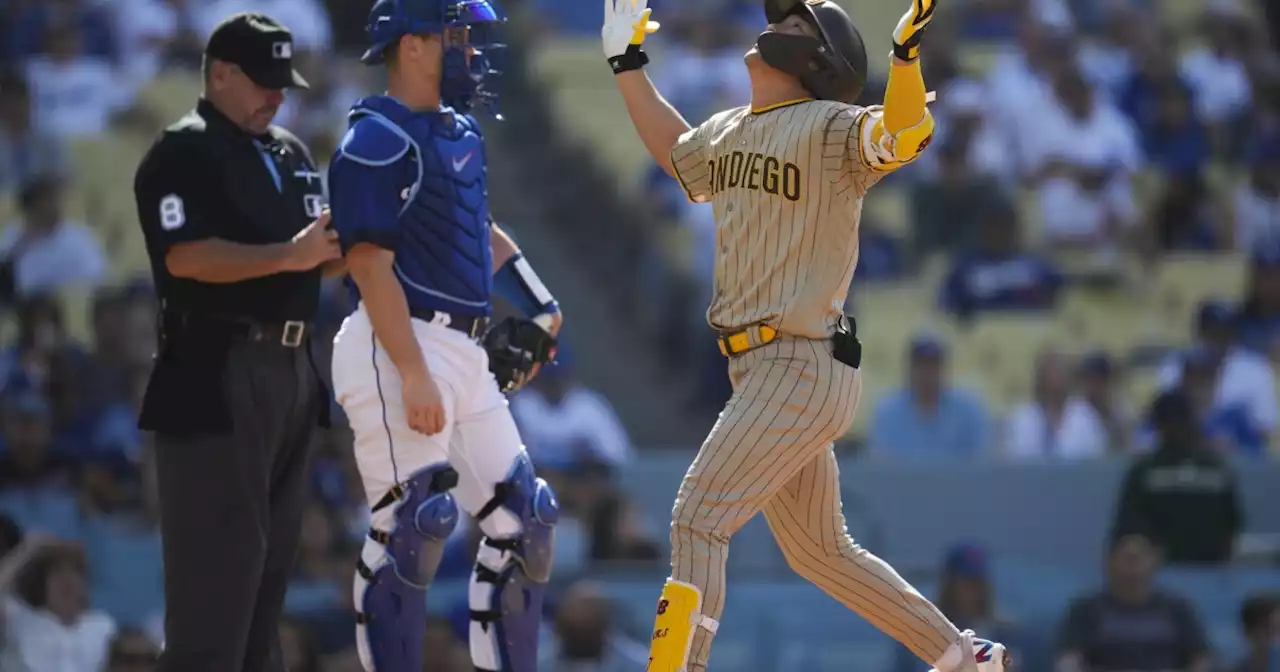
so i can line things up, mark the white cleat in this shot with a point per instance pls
(982, 656)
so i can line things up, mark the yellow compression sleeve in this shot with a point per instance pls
(907, 119)
(904, 96)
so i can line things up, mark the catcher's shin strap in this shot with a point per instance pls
(472, 326)
(736, 342)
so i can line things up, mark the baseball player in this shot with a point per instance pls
(419, 378)
(786, 177)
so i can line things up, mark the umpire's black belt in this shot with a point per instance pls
(288, 334)
(471, 325)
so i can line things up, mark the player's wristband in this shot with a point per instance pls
(906, 53)
(517, 284)
(631, 59)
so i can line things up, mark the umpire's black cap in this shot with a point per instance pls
(261, 46)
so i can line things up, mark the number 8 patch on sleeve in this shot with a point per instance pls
(172, 212)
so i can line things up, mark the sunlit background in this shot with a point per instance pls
(1098, 221)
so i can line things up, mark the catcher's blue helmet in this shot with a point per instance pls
(466, 63)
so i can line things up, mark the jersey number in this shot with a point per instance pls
(172, 213)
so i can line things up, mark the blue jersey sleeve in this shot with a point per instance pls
(368, 185)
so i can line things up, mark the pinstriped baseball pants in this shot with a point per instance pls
(771, 450)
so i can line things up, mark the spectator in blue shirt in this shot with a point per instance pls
(1259, 315)
(31, 22)
(1234, 388)
(1175, 140)
(1000, 276)
(928, 418)
(1140, 98)
(36, 488)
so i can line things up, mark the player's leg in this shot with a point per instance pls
(807, 519)
(407, 481)
(517, 512)
(786, 405)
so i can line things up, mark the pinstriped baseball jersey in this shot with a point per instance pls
(787, 184)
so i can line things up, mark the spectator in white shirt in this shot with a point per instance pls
(148, 30)
(1082, 154)
(45, 252)
(1109, 62)
(308, 20)
(76, 95)
(133, 651)
(1056, 423)
(1244, 400)
(1019, 82)
(1217, 72)
(565, 423)
(25, 152)
(48, 624)
(1255, 205)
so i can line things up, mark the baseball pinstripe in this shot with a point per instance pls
(787, 185)
(788, 200)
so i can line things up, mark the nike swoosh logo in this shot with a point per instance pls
(461, 162)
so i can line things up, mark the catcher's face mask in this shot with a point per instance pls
(470, 40)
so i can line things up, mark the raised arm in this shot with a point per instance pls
(895, 134)
(172, 194)
(366, 214)
(626, 24)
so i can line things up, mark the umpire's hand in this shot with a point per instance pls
(314, 245)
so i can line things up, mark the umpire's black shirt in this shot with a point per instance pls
(206, 177)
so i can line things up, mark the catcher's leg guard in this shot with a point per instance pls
(511, 574)
(396, 566)
(679, 612)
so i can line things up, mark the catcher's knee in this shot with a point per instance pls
(513, 566)
(411, 524)
(678, 618)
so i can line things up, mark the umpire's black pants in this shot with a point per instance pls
(230, 512)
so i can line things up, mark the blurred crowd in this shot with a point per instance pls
(1130, 144)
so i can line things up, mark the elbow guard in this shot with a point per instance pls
(882, 148)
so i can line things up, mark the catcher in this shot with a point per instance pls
(786, 177)
(419, 378)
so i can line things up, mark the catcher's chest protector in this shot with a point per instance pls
(443, 249)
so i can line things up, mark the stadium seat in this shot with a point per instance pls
(1183, 281)
(996, 354)
(1113, 321)
(170, 95)
(77, 311)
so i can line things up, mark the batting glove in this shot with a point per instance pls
(626, 24)
(906, 37)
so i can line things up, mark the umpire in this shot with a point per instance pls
(232, 209)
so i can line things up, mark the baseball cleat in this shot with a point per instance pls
(985, 656)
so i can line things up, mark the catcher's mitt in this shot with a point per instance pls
(516, 348)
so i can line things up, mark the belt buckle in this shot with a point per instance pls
(294, 330)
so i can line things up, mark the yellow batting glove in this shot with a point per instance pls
(906, 37)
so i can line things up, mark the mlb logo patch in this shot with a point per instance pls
(282, 50)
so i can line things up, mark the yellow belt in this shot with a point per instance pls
(743, 340)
